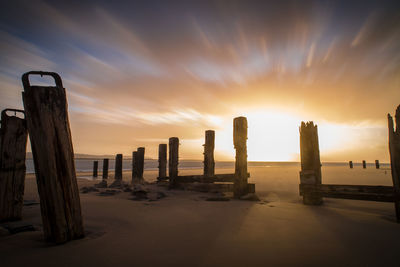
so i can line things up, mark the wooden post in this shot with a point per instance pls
(364, 163)
(377, 164)
(351, 164)
(95, 167)
(162, 161)
(140, 162)
(53, 155)
(105, 169)
(134, 166)
(173, 161)
(118, 167)
(394, 150)
(13, 138)
(310, 161)
(240, 186)
(209, 164)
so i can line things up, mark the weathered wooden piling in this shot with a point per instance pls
(240, 186)
(140, 162)
(351, 164)
(377, 164)
(310, 173)
(13, 138)
(209, 164)
(364, 164)
(394, 150)
(134, 166)
(173, 161)
(118, 167)
(95, 168)
(52, 149)
(105, 169)
(162, 161)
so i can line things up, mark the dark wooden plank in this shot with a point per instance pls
(216, 187)
(13, 139)
(48, 126)
(394, 151)
(356, 192)
(228, 177)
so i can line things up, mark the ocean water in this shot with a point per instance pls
(86, 165)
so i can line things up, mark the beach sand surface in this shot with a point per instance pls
(183, 229)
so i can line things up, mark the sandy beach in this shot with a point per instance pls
(183, 229)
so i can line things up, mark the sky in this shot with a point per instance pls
(139, 72)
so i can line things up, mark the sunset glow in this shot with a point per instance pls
(135, 81)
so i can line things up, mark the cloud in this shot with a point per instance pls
(144, 66)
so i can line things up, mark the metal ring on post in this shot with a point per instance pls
(56, 77)
(4, 112)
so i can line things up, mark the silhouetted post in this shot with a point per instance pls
(240, 186)
(162, 161)
(173, 161)
(364, 163)
(377, 164)
(134, 166)
(95, 167)
(310, 161)
(13, 137)
(351, 164)
(53, 154)
(394, 150)
(209, 164)
(105, 169)
(118, 167)
(140, 162)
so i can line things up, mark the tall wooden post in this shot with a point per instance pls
(310, 161)
(394, 150)
(118, 167)
(351, 164)
(134, 166)
(140, 162)
(13, 137)
(377, 164)
(53, 155)
(105, 169)
(162, 161)
(95, 167)
(173, 161)
(364, 164)
(240, 186)
(209, 164)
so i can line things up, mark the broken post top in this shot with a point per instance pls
(309, 147)
(239, 131)
(307, 125)
(56, 77)
(397, 120)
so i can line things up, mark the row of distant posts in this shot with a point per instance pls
(238, 179)
(364, 164)
(137, 167)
